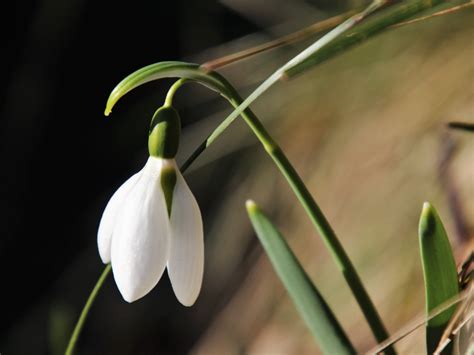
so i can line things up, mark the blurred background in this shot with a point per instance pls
(366, 131)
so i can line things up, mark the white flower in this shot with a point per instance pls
(140, 238)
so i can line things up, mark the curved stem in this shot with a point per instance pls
(85, 311)
(172, 91)
(315, 214)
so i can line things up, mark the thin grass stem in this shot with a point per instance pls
(85, 311)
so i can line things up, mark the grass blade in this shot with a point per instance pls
(309, 302)
(439, 271)
(372, 26)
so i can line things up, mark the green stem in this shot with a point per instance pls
(311, 207)
(301, 57)
(317, 217)
(85, 311)
(321, 223)
(172, 91)
(373, 26)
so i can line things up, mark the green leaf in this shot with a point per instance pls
(241, 106)
(374, 25)
(161, 70)
(309, 302)
(439, 271)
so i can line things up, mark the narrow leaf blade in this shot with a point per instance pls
(439, 271)
(379, 22)
(309, 302)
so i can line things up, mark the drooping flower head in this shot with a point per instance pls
(153, 222)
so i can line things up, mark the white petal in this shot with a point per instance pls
(140, 243)
(107, 222)
(186, 260)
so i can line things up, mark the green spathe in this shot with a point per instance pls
(165, 129)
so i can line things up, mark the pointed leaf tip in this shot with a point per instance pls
(439, 271)
(251, 206)
(427, 220)
(426, 206)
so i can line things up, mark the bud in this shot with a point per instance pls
(163, 137)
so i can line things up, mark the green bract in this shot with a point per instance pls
(165, 129)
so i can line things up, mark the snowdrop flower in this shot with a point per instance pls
(153, 222)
